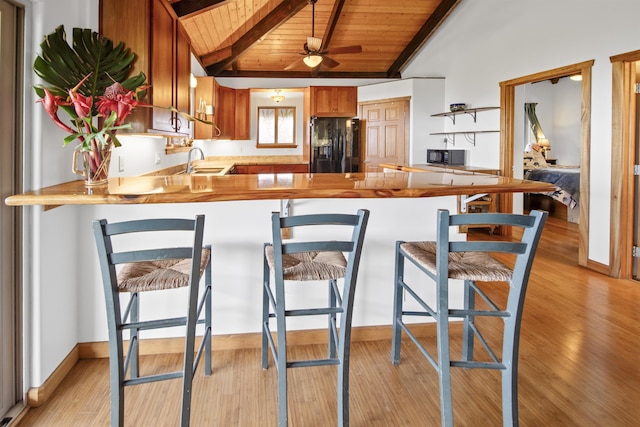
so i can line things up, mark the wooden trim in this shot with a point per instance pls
(549, 74)
(585, 166)
(598, 267)
(36, 396)
(97, 350)
(92, 350)
(507, 137)
(383, 101)
(623, 136)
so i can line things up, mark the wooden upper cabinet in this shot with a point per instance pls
(152, 31)
(334, 101)
(232, 114)
(243, 114)
(226, 113)
(205, 93)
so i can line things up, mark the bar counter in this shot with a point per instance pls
(214, 188)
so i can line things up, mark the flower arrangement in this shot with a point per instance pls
(89, 81)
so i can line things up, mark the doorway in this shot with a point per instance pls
(11, 30)
(507, 141)
(386, 133)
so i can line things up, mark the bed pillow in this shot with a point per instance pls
(534, 160)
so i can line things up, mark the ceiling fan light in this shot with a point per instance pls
(314, 43)
(312, 61)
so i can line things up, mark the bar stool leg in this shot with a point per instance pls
(265, 313)
(467, 329)
(444, 356)
(281, 360)
(397, 306)
(332, 319)
(208, 328)
(134, 362)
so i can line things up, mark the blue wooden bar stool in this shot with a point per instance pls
(155, 268)
(318, 261)
(469, 261)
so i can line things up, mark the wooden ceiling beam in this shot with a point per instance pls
(185, 8)
(273, 20)
(305, 74)
(426, 31)
(333, 21)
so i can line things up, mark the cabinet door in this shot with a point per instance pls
(226, 113)
(243, 114)
(182, 81)
(334, 101)
(322, 98)
(346, 101)
(162, 66)
(204, 92)
(291, 168)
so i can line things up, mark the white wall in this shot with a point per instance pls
(426, 95)
(52, 253)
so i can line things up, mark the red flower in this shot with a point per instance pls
(81, 103)
(51, 103)
(117, 99)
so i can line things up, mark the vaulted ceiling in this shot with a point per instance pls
(266, 38)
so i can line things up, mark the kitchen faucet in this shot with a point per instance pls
(189, 166)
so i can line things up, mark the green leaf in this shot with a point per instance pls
(63, 66)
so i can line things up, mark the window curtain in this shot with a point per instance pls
(530, 109)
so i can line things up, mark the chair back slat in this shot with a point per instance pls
(160, 224)
(488, 246)
(151, 255)
(492, 218)
(318, 219)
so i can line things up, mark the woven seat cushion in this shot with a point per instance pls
(157, 275)
(310, 265)
(462, 265)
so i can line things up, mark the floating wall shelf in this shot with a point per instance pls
(470, 111)
(469, 135)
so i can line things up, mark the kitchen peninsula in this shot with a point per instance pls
(237, 208)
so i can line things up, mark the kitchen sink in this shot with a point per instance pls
(203, 171)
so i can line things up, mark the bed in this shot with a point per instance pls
(566, 179)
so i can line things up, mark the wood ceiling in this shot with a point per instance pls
(260, 38)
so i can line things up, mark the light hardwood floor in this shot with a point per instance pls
(579, 359)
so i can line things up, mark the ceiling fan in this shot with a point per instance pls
(314, 55)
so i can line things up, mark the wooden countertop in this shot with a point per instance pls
(432, 167)
(213, 188)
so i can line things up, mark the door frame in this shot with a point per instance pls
(507, 138)
(12, 234)
(623, 155)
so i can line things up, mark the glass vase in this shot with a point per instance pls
(95, 164)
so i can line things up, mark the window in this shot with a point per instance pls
(277, 127)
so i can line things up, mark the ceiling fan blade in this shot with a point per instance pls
(329, 62)
(344, 49)
(294, 64)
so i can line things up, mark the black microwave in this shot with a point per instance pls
(445, 157)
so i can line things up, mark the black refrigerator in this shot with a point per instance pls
(335, 145)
